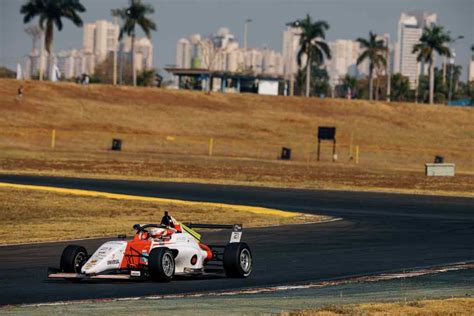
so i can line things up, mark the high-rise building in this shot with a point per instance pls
(221, 52)
(183, 53)
(254, 60)
(66, 63)
(144, 53)
(236, 60)
(410, 28)
(272, 62)
(100, 38)
(344, 54)
(291, 44)
(32, 64)
(88, 38)
(222, 38)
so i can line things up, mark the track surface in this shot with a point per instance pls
(380, 232)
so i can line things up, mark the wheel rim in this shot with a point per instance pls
(167, 264)
(79, 261)
(245, 260)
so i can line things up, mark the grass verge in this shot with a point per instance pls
(454, 306)
(51, 216)
(167, 135)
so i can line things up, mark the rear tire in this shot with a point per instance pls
(237, 260)
(161, 265)
(73, 258)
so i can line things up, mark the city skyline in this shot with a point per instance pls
(99, 41)
(206, 16)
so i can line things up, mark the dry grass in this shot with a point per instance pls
(455, 306)
(166, 136)
(47, 216)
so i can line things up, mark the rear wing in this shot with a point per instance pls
(235, 236)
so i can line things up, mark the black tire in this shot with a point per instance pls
(161, 265)
(73, 258)
(237, 260)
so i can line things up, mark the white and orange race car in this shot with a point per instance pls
(158, 252)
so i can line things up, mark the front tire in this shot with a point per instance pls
(73, 258)
(161, 265)
(237, 260)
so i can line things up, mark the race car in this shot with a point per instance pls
(158, 252)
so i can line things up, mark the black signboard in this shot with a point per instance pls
(326, 133)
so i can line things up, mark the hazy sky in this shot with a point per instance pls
(348, 19)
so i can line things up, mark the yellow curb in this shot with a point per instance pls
(241, 208)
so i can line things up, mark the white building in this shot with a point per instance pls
(32, 64)
(223, 37)
(344, 54)
(236, 60)
(66, 62)
(410, 28)
(291, 44)
(254, 60)
(222, 52)
(143, 54)
(100, 38)
(272, 62)
(183, 53)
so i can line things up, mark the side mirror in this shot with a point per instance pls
(136, 226)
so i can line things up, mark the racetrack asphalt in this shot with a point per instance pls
(379, 232)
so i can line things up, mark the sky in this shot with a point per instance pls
(348, 19)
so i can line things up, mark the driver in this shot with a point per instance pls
(167, 220)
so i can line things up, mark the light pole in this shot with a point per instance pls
(451, 72)
(246, 30)
(388, 70)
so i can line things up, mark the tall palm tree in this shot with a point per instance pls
(433, 39)
(50, 13)
(312, 45)
(374, 50)
(133, 15)
(400, 87)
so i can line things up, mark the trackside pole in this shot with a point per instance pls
(211, 146)
(53, 138)
(357, 154)
(319, 147)
(351, 145)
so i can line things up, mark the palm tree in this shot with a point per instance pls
(375, 51)
(433, 39)
(312, 44)
(400, 87)
(50, 13)
(133, 15)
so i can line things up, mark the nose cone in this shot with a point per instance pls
(107, 257)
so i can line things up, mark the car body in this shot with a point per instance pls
(158, 252)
